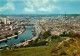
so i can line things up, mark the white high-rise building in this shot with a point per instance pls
(5, 20)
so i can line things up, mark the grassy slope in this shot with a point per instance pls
(45, 50)
(31, 51)
(70, 48)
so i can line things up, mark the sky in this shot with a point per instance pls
(39, 6)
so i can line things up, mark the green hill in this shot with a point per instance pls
(63, 46)
(31, 51)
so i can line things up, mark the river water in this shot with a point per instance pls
(25, 35)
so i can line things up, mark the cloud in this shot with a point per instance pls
(36, 3)
(49, 8)
(55, 0)
(40, 5)
(31, 9)
(65, 0)
(28, 10)
(31, 4)
(8, 6)
(40, 0)
(45, 9)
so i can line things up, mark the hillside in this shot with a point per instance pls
(31, 51)
(63, 46)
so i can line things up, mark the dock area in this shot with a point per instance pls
(8, 38)
(25, 43)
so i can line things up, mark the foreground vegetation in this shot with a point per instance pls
(31, 51)
(57, 46)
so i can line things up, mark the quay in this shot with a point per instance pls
(8, 38)
(37, 30)
(25, 43)
(24, 35)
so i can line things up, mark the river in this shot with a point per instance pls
(25, 35)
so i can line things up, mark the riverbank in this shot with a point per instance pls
(26, 42)
(26, 35)
(20, 32)
(8, 38)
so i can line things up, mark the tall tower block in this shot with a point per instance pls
(5, 20)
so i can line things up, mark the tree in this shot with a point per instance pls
(76, 35)
(42, 43)
(46, 34)
(55, 37)
(6, 36)
(16, 33)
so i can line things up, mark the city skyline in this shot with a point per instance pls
(39, 6)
